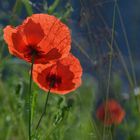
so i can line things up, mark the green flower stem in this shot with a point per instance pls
(30, 100)
(44, 110)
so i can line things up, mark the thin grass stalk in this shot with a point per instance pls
(110, 65)
(127, 45)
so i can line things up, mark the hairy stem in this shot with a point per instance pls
(30, 99)
(44, 110)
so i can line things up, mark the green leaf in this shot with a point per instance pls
(17, 7)
(53, 6)
(67, 13)
(28, 7)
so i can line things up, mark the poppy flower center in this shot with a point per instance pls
(53, 80)
(32, 50)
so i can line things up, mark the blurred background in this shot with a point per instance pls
(105, 38)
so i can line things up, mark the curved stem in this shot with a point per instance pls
(44, 110)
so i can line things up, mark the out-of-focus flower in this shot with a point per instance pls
(61, 77)
(110, 112)
(137, 91)
(41, 35)
(125, 95)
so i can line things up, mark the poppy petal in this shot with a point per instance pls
(68, 72)
(9, 31)
(33, 32)
(57, 40)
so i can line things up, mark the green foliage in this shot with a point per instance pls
(68, 117)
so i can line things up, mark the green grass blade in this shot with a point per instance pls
(28, 7)
(53, 6)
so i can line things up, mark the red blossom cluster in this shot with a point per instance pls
(46, 40)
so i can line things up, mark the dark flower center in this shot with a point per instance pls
(32, 50)
(53, 80)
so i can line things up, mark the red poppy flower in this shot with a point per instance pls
(43, 35)
(62, 76)
(114, 112)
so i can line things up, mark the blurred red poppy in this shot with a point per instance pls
(114, 112)
(61, 77)
(43, 35)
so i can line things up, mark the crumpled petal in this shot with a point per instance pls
(12, 46)
(57, 37)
